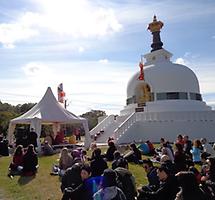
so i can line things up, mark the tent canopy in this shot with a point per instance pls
(48, 111)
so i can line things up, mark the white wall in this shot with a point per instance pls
(154, 130)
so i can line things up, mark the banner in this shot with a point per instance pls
(61, 93)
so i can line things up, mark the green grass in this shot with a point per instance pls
(43, 186)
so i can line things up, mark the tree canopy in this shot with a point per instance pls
(93, 116)
(8, 112)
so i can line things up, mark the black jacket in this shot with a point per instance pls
(98, 165)
(71, 178)
(82, 192)
(166, 191)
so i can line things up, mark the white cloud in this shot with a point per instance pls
(81, 49)
(74, 18)
(88, 85)
(103, 61)
(181, 61)
(11, 33)
(34, 69)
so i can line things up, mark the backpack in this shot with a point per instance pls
(125, 183)
(117, 197)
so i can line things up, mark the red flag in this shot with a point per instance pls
(141, 76)
(61, 93)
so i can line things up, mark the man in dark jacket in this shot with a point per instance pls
(72, 177)
(152, 177)
(187, 146)
(125, 179)
(168, 187)
(32, 137)
(98, 164)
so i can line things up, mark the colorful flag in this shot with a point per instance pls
(141, 76)
(61, 93)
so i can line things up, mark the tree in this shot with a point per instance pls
(92, 117)
(5, 118)
(8, 112)
(23, 108)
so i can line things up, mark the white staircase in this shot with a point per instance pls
(106, 128)
(142, 124)
(131, 119)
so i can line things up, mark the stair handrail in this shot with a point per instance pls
(124, 126)
(107, 120)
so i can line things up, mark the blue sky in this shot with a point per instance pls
(94, 47)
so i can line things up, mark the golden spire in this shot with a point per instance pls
(155, 25)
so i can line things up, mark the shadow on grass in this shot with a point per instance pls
(23, 180)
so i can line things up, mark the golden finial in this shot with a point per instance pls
(155, 25)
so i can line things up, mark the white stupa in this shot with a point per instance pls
(163, 100)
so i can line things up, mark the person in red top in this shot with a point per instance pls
(59, 139)
(180, 140)
(151, 148)
(16, 165)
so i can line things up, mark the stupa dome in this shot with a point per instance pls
(163, 76)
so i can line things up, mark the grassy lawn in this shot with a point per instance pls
(43, 186)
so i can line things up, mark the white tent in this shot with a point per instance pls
(48, 111)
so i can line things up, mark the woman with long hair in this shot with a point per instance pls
(66, 161)
(30, 161)
(196, 151)
(16, 165)
(189, 187)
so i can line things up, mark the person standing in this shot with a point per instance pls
(32, 137)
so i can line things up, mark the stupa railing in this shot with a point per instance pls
(163, 117)
(102, 125)
(125, 126)
(175, 116)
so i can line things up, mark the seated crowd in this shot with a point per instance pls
(171, 171)
(24, 162)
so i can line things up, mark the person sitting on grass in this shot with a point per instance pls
(167, 189)
(189, 187)
(30, 161)
(117, 157)
(109, 190)
(134, 155)
(16, 165)
(110, 151)
(85, 190)
(72, 177)
(125, 179)
(151, 173)
(98, 164)
(47, 149)
(66, 161)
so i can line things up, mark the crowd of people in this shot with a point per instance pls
(184, 170)
(24, 162)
